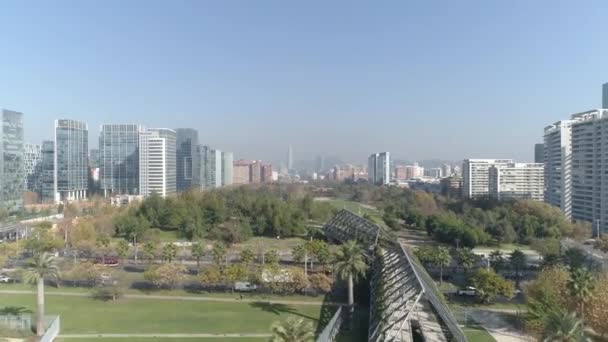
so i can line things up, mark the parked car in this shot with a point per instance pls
(5, 279)
(245, 287)
(468, 291)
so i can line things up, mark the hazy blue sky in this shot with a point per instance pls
(426, 79)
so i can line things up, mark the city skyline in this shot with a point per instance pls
(296, 85)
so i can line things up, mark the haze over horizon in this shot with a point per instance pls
(447, 80)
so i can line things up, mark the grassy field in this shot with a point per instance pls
(357, 208)
(84, 315)
(478, 335)
(176, 292)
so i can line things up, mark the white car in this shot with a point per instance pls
(467, 291)
(5, 279)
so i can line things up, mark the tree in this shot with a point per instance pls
(546, 294)
(198, 251)
(580, 286)
(166, 275)
(211, 276)
(272, 257)
(562, 326)
(43, 266)
(518, 262)
(320, 282)
(122, 249)
(602, 244)
(292, 330)
(169, 252)
(247, 256)
(150, 250)
(574, 258)
(466, 259)
(235, 272)
(132, 227)
(14, 310)
(489, 285)
(497, 260)
(596, 310)
(219, 253)
(102, 242)
(350, 264)
(442, 259)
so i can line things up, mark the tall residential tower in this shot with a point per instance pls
(12, 170)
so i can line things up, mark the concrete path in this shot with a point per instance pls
(497, 326)
(126, 336)
(186, 298)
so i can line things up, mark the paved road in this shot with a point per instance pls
(190, 298)
(162, 335)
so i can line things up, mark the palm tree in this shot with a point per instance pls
(442, 258)
(350, 264)
(292, 330)
(14, 310)
(43, 266)
(563, 327)
(581, 285)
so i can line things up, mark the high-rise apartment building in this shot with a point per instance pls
(267, 173)
(605, 95)
(46, 172)
(289, 159)
(446, 170)
(119, 159)
(589, 167)
(71, 160)
(157, 162)
(210, 175)
(517, 181)
(414, 171)
(31, 157)
(227, 168)
(558, 181)
(434, 172)
(379, 168)
(475, 172)
(242, 172)
(12, 169)
(187, 158)
(400, 172)
(539, 153)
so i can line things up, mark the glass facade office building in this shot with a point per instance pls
(186, 157)
(119, 159)
(71, 160)
(157, 162)
(210, 170)
(46, 172)
(12, 170)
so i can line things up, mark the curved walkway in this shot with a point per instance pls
(187, 298)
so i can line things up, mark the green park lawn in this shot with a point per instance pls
(478, 335)
(176, 292)
(358, 208)
(84, 315)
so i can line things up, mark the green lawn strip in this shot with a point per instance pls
(84, 315)
(358, 208)
(478, 335)
(178, 292)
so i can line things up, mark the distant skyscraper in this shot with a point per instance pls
(476, 176)
(157, 162)
(379, 168)
(446, 170)
(186, 160)
(320, 163)
(539, 153)
(71, 160)
(227, 168)
(242, 172)
(255, 172)
(289, 159)
(12, 170)
(605, 95)
(119, 159)
(31, 158)
(94, 158)
(267, 173)
(46, 171)
(210, 176)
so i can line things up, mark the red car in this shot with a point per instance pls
(107, 261)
